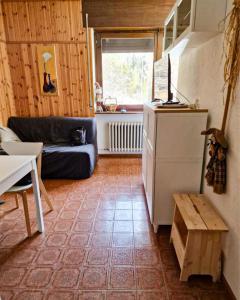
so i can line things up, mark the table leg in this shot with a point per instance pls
(45, 194)
(37, 197)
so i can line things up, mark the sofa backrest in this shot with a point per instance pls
(51, 130)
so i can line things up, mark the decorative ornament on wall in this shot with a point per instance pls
(47, 70)
(216, 175)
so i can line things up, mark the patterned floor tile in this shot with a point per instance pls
(141, 226)
(91, 296)
(66, 278)
(83, 226)
(6, 295)
(74, 256)
(144, 239)
(153, 296)
(122, 278)
(169, 258)
(100, 240)
(86, 214)
(89, 204)
(213, 296)
(147, 257)
(13, 239)
(123, 215)
(11, 276)
(138, 205)
(123, 226)
(140, 215)
(94, 278)
(72, 205)
(63, 226)
(105, 214)
(78, 240)
(48, 256)
(184, 296)
(123, 205)
(118, 295)
(122, 256)
(98, 256)
(29, 295)
(60, 295)
(22, 256)
(68, 214)
(103, 226)
(56, 239)
(38, 277)
(108, 204)
(149, 278)
(122, 239)
(98, 244)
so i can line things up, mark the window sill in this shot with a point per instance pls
(118, 113)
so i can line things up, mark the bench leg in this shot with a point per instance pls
(155, 228)
(184, 275)
(217, 274)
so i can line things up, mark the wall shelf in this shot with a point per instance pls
(193, 22)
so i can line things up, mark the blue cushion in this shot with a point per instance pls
(64, 161)
(60, 159)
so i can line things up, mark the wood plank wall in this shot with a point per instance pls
(7, 107)
(30, 23)
(127, 13)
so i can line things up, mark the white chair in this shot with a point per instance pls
(22, 148)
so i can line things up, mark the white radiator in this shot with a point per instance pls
(125, 137)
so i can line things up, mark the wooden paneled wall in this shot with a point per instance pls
(43, 21)
(127, 13)
(7, 107)
(58, 22)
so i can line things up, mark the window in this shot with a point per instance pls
(127, 69)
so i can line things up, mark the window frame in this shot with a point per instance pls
(156, 34)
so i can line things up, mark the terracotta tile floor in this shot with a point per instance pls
(98, 244)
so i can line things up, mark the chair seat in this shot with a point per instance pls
(20, 188)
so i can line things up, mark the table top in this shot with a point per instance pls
(9, 164)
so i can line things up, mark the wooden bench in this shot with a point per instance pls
(196, 235)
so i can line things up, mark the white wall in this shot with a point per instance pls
(201, 76)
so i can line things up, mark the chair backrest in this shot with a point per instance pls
(25, 148)
(22, 148)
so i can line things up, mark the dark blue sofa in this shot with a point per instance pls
(60, 160)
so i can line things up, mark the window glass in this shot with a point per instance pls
(127, 70)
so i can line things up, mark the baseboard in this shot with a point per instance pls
(104, 151)
(228, 288)
(122, 155)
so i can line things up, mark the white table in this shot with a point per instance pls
(15, 167)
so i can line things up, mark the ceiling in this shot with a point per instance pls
(127, 13)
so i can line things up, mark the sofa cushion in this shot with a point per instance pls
(60, 160)
(64, 161)
(52, 130)
(8, 135)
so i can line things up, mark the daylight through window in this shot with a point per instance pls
(127, 67)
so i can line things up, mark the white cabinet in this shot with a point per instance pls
(172, 157)
(193, 22)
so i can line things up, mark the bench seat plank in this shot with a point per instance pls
(191, 217)
(208, 214)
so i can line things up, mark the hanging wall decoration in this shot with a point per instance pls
(47, 70)
(216, 175)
